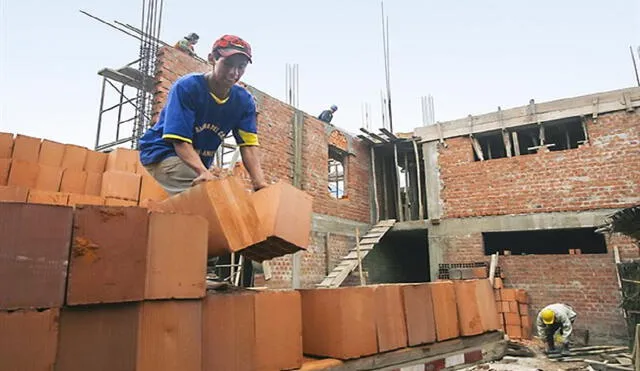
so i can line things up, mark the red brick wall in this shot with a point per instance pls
(587, 282)
(275, 130)
(602, 174)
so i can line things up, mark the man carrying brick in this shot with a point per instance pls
(556, 318)
(200, 111)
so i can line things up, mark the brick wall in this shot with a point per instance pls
(587, 282)
(275, 130)
(602, 174)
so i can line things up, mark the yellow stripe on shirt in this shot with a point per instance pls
(218, 100)
(248, 139)
(178, 137)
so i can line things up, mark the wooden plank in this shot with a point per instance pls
(477, 148)
(359, 253)
(372, 241)
(516, 143)
(375, 185)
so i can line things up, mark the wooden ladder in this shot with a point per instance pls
(349, 262)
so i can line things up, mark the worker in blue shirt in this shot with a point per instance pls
(201, 109)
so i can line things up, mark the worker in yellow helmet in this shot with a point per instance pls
(556, 318)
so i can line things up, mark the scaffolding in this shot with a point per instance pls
(134, 83)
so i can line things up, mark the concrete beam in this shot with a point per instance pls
(432, 180)
(437, 235)
(322, 223)
(593, 104)
(410, 225)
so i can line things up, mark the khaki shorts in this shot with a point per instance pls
(173, 174)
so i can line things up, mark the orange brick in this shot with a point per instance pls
(496, 295)
(468, 311)
(35, 251)
(508, 294)
(228, 209)
(6, 145)
(102, 238)
(81, 199)
(37, 196)
(418, 309)
(497, 283)
(523, 309)
(96, 162)
(391, 325)
(74, 157)
(514, 332)
(284, 212)
(94, 184)
(486, 305)
(26, 148)
(504, 306)
(445, 310)
(23, 174)
(73, 181)
(522, 296)
(525, 321)
(123, 159)
(110, 201)
(172, 272)
(151, 335)
(13, 194)
(512, 319)
(501, 318)
(49, 178)
(29, 339)
(5, 167)
(480, 272)
(513, 307)
(278, 330)
(229, 333)
(340, 323)
(120, 184)
(150, 189)
(51, 153)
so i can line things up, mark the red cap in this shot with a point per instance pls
(228, 45)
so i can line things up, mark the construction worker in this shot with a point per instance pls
(200, 110)
(556, 318)
(327, 115)
(187, 43)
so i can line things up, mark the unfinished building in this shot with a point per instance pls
(532, 183)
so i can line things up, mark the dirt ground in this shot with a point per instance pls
(538, 362)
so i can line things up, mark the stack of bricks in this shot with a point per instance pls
(47, 172)
(123, 288)
(353, 322)
(513, 305)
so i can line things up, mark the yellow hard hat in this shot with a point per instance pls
(547, 316)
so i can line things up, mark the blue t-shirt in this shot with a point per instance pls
(193, 115)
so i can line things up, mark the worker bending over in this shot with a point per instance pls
(187, 43)
(327, 115)
(556, 318)
(201, 109)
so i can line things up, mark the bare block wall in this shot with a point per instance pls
(275, 132)
(587, 282)
(602, 174)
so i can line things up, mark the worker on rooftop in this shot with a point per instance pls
(327, 115)
(187, 43)
(556, 318)
(201, 109)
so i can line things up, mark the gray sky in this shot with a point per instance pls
(470, 55)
